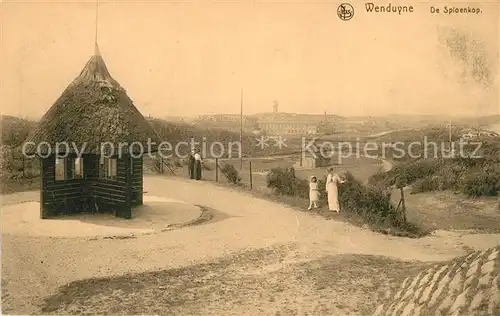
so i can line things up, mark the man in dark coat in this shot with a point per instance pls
(191, 165)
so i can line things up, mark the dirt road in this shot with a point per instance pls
(34, 267)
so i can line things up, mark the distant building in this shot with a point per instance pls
(291, 124)
(478, 134)
(287, 127)
(274, 123)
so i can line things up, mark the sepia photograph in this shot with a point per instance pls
(250, 157)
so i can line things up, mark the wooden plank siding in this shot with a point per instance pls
(61, 196)
(137, 184)
(91, 193)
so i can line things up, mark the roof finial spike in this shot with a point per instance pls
(96, 50)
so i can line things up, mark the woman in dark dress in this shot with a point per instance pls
(191, 165)
(197, 165)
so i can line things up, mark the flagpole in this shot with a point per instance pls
(241, 129)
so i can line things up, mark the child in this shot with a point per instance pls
(313, 193)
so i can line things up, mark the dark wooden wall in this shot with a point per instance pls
(110, 195)
(61, 196)
(92, 193)
(137, 188)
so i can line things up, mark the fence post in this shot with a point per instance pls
(216, 169)
(251, 183)
(301, 153)
(403, 207)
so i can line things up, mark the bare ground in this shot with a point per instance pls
(270, 252)
(448, 211)
(248, 283)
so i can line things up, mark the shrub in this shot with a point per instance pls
(427, 184)
(448, 177)
(284, 182)
(231, 174)
(472, 176)
(405, 173)
(15, 130)
(12, 161)
(481, 184)
(281, 180)
(418, 170)
(7, 162)
(378, 179)
(371, 203)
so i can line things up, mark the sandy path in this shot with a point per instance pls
(155, 215)
(34, 266)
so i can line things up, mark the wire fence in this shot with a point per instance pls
(252, 173)
(217, 170)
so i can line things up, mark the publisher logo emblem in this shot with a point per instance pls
(345, 11)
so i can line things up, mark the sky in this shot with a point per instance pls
(191, 58)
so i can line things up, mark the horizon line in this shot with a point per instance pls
(151, 115)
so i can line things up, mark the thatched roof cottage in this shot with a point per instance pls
(99, 165)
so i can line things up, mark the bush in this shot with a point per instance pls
(231, 174)
(6, 159)
(284, 182)
(418, 170)
(371, 203)
(471, 176)
(427, 184)
(15, 130)
(11, 159)
(449, 176)
(481, 184)
(378, 179)
(281, 180)
(12, 162)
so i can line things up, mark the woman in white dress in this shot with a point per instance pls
(332, 182)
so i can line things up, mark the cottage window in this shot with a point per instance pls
(61, 169)
(69, 168)
(78, 168)
(108, 168)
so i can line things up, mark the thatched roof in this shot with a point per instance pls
(468, 285)
(94, 109)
